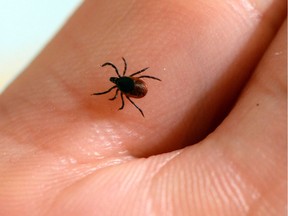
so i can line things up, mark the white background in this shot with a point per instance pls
(26, 26)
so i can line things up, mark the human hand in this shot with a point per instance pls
(65, 152)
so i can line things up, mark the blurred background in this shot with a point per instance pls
(26, 26)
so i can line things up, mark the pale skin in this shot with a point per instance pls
(65, 152)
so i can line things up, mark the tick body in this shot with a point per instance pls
(129, 86)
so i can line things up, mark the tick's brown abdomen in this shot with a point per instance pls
(139, 90)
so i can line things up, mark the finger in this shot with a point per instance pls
(240, 168)
(237, 170)
(54, 94)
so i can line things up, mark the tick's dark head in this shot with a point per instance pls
(113, 79)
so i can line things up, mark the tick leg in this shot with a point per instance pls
(122, 99)
(100, 93)
(145, 76)
(112, 65)
(116, 94)
(136, 106)
(138, 72)
(125, 66)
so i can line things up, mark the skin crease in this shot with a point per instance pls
(65, 152)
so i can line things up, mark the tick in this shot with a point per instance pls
(130, 86)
